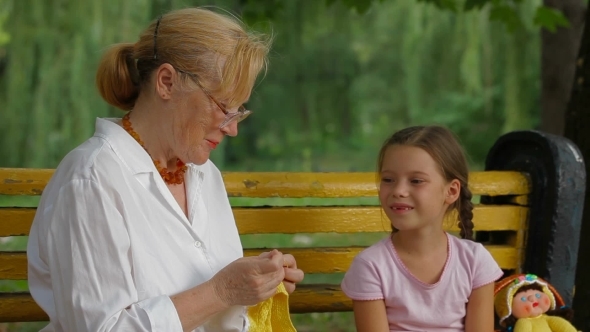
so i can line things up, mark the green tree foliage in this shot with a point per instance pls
(339, 81)
(47, 92)
(348, 85)
(505, 11)
(4, 37)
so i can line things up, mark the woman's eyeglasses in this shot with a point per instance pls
(230, 117)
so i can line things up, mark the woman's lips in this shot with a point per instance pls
(212, 144)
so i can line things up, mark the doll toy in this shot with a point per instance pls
(527, 303)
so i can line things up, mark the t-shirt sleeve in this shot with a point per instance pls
(362, 281)
(485, 268)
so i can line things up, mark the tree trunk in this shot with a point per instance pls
(577, 118)
(558, 54)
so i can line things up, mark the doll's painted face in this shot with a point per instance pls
(530, 303)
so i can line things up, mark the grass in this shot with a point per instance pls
(336, 322)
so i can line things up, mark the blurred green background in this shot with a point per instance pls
(340, 81)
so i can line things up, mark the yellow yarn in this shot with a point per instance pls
(272, 314)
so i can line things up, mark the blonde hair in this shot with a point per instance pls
(192, 40)
(442, 145)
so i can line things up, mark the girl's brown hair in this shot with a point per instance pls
(216, 49)
(444, 148)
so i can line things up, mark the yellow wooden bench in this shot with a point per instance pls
(504, 226)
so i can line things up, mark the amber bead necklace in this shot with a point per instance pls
(176, 177)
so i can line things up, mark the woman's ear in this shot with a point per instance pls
(453, 190)
(165, 75)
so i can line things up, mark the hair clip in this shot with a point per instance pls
(156, 37)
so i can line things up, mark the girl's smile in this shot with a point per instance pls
(401, 208)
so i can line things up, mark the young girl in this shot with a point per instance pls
(421, 278)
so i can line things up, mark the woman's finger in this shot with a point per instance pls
(293, 275)
(289, 286)
(289, 261)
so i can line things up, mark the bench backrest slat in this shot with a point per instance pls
(285, 184)
(289, 220)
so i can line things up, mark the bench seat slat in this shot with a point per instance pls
(13, 265)
(346, 219)
(14, 181)
(20, 307)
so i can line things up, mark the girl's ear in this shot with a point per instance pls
(453, 191)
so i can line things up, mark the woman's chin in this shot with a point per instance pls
(198, 159)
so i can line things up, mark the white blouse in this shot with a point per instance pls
(109, 244)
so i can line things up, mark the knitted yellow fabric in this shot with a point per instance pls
(544, 323)
(272, 314)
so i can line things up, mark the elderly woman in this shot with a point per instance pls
(134, 232)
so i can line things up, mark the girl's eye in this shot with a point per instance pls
(386, 180)
(538, 295)
(417, 181)
(523, 299)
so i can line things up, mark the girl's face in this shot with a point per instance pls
(530, 303)
(412, 191)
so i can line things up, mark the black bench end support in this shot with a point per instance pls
(558, 177)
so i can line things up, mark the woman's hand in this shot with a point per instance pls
(293, 275)
(249, 280)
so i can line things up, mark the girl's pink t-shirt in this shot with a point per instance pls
(378, 273)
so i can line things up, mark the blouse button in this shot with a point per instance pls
(198, 244)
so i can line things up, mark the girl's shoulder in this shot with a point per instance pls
(479, 263)
(471, 253)
(382, 247)
(466, 247)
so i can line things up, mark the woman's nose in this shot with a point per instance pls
(231, 129)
